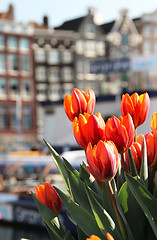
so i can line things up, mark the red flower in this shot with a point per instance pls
(109, 237)
(93, 237)
(137, 106)
(79, 102)
(49, 197)
(151, 144)
(153, 123)
(88, 128)
(136, 149)
(120, 131)
(103, 160)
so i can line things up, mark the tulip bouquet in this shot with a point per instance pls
(113, 195)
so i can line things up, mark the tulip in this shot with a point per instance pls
(120, 131)
(93, 237)
(153, 123)
(79, 102)
(88, 128)
(151, 144)
(103, 160)
(136, 149)
(109, 237)
(48, 196)
(137, 106)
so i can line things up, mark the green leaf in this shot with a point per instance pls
(133, 212)
(68, 236)
(144, 166)
(146, 200)
(133, 169)
(81, 234)
(85, 176)
(70, 167)
(104, 220)
(50, 219)
(81, 217)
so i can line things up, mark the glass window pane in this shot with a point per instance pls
(4, 123)
(25, 63)
(14, 87)
(53, 57)
(3, 88)
(26, 88)
(40, 73)
(2, 43)
(54, 74)
(40, 55)
(13, 62)
(13, 117)
(27, 117)
(24, 43)
(2, 62)
(66, 56)
(67, 74)
(12, 42)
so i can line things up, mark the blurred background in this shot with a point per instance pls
(46, 49)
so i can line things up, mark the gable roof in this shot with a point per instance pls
(72, 25)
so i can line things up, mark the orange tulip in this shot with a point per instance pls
(47, 195)
(153, 123)
(151, 144)
(88, 128)
(79, 102)
(103, 160)
(120, 131)
(137, 106)
(93, 237)
(136, 149)
(109, 237)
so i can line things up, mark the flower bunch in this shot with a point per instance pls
(113, 195)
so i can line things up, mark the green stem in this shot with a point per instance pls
(119, 218)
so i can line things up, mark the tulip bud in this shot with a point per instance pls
(137, 106)
(48, 196)
(103, 160)
(79, 102)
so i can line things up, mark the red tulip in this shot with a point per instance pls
(137, 106)
(93, 237)
(79, 102)
(136, 149)
(47, 195)
(103, 160)
(151, 144)
(153, 123)
(120, 131)
(109, 237)
(88, 128)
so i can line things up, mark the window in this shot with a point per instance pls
(14, 88)
(68, 87)
(90, 30)
(13, 119)
(54, 74)
(4, 117)
(54, 92)
(27, 117)
(25, 63)
(90, 49)
(26, 89)
(80, 66)
(40, 55)
(40, 74)
(79, 46)
(53, 57)
(67, 74)
(24, 44)
(2, 62)
(147, 30)
(67, 56)
(3, 88)
(41, 92)
(147, 47)
(100, 46)
(13, 62)
(12, 42)
(2, 43)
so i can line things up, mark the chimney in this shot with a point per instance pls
(45, 21)
(10, 13)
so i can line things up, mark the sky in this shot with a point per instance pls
(59, 11)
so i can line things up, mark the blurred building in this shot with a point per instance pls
(17, 84)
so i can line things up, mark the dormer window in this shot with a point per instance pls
(90, 30)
